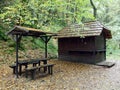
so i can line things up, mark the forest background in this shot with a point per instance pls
(53, 15)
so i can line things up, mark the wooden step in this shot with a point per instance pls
(106, 64)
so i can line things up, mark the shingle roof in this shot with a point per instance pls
(25, 31)
(93, 28)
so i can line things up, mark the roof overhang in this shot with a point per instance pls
(25, 31)
(107, 33)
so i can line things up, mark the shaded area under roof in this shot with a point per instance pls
(18, 31)
(93, 28)
(25, 31)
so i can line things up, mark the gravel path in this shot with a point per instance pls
(66, 76)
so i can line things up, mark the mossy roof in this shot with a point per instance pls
(92, 28)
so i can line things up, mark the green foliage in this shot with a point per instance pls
(2, 32)
(52, 48)
(109, 15)
(38, 43)
(35, 13)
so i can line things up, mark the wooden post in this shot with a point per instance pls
(46, 40)
(17, 42)
(105, 48)
(94, 56)
(17, 39)
(46, 47)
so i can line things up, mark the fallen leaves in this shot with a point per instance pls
(66, 76)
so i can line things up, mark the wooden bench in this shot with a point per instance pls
(33, 70)
(13, 66)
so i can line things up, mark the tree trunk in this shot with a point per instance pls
(94, 9)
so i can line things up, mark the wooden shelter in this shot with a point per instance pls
(18, 32)
(84, 43)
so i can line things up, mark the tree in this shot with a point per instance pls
(94, 9)
(109, 15)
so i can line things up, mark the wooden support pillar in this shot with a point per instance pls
(105, 48)
(46, 47)
(17, 55)
(94, 54)
(46, 40)
(17, 39)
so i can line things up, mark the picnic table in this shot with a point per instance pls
(30, 61)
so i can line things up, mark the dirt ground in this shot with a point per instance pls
(66, 76)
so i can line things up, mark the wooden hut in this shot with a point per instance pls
(84, 43)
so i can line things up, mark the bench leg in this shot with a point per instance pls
(32, 74)
(14, 69)
(45, 68)
(49, 69)
(20, 69)
(35, 64)
(39, 63)
(26, 73)
(26, 66)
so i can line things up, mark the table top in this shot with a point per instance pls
(29, 61)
